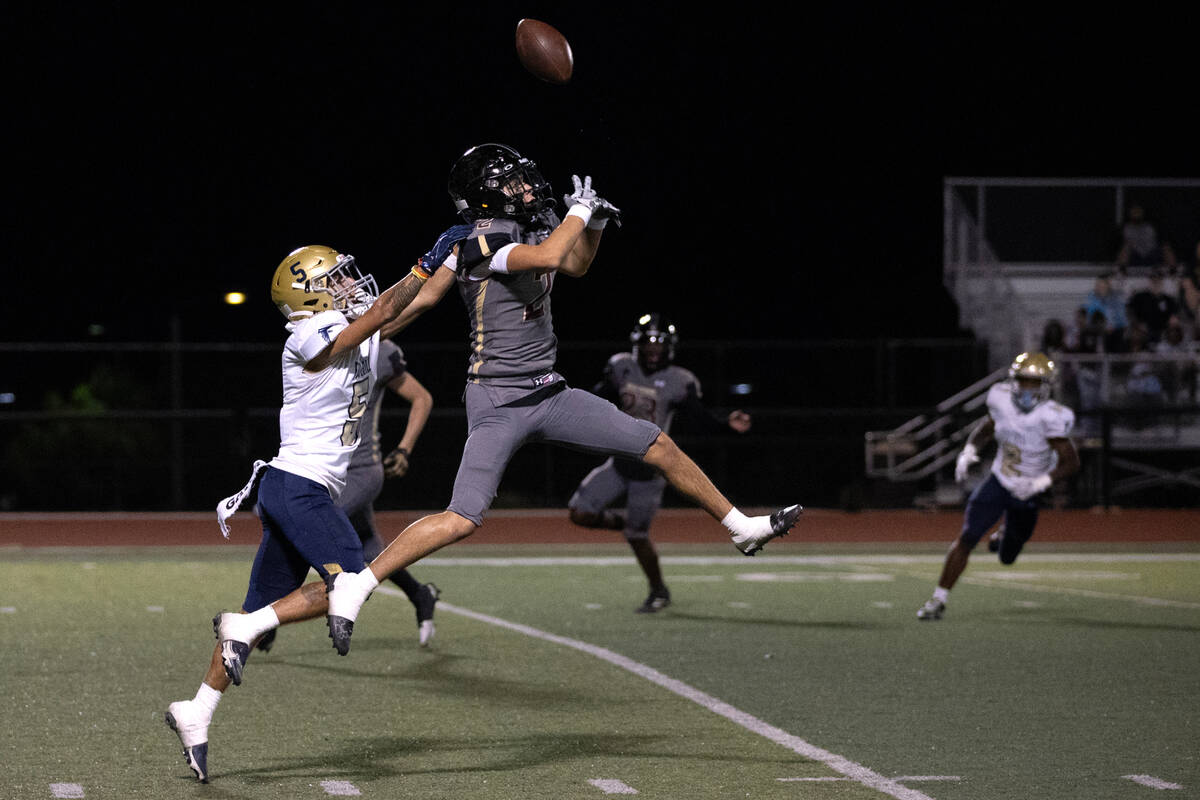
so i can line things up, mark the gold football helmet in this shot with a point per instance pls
(316, 278)
(1031, 367)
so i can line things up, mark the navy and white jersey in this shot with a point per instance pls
(322, 411)
(511, 325)
(654, 397)
(391, 364)
(1023, 449)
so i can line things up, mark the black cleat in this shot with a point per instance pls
(234, 653)
(781, 522)
(195, 755)
(657, 601)
(426, 599)
(347, 592)
(995, 539)
(267, 641)
(340, 630)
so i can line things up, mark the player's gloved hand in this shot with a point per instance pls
(968, 456)
(1031, 487)
(603, 212)
(583, 194)
(442, 248)
(395, 465)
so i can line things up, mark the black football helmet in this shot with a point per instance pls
(654, 340)
(493, 180)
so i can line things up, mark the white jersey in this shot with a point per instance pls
(322, 411)
(1024, 449)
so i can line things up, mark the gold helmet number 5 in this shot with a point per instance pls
(1032, 376)
(316, 278)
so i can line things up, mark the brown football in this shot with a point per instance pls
(544, 51)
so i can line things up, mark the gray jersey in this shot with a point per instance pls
(512, 330)
(654, 397)
(391, 364)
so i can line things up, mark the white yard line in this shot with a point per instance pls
(340, 788)
(66, 790)
(837, 763)
(1035, 587)
(1152, 782)
(612, 786)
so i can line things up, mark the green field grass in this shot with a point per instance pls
(1051, 679)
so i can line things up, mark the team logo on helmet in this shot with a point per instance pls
(316, 278)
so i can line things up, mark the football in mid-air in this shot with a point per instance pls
(544, 51)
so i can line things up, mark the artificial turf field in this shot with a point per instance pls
(801, 674)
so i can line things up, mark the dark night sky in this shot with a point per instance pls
(780, 173)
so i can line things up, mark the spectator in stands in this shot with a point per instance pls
(1152, 306)
(1075, 331)
(1108, 300)
(1054, 338)
(1143, 385)
(1087, 373)
(1178, 376)
(1189, 297)
(1140, 244)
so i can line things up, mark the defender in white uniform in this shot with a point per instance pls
(329, 369)
(1033, 451)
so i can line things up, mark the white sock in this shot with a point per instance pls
(207, 698)
(263, 620)
(368, 578)
(941, 595)
(739, 524)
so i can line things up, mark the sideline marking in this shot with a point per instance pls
(8, 609)
(340, 788)
(1033, 587)
(835, 762)
(898, 778)
(66, 790)
(612, 786)
(1152, 782)
(608, 561)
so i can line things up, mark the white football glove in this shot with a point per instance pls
(966, 458)
(583, 194)
(1031, 487)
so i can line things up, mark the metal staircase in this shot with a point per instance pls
(924, 444)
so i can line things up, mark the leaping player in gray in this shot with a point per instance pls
(647, 385)
(508, 255)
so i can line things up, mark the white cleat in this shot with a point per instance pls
(347, 592)
(778, 524)
(190, 723)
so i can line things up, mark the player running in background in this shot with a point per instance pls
(646, 385)
(505, 268)
(1033, 451)
(368, 468)
(330, 365)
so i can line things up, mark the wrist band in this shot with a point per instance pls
(419, 274)
(582, 211)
